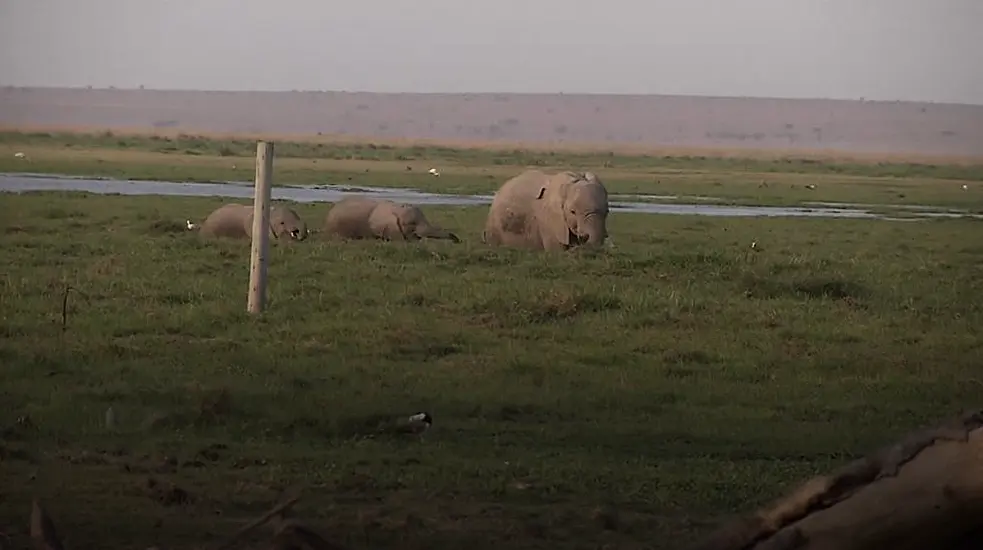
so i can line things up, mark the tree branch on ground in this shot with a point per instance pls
(926, 491)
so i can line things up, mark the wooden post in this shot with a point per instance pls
(261, 227)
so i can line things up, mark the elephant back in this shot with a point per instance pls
(587, 177)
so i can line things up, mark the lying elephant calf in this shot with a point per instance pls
(366, 218)
(236, 221)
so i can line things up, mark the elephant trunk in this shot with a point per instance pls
(431, 232)
(594, 231)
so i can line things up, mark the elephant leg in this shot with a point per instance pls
(492, 237)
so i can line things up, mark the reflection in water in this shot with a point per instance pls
(18, 183)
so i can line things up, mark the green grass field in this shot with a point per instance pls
(632, 397)
(629, 397)
(730, 180)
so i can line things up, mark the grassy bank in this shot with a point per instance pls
(630, 397)
(787, 181)
(205, 146)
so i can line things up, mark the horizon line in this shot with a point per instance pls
(485, 93)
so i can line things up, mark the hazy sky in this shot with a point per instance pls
(879, 49)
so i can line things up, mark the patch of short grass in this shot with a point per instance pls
(627, 397)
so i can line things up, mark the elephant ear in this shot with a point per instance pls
(393, 230)
(273, 223)
(552, 196)
(247, 224)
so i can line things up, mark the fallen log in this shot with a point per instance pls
(924, 492)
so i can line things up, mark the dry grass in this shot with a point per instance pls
(565, 146)
(670, 181)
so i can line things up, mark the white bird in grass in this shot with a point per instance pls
(191, 226)
(19, 155)
(434, 172)
(965, 186)
(417, 424)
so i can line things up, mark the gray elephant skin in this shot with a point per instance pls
(367, 218)
(236, 221)
(542, 211)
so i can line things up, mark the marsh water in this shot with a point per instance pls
(25, 182)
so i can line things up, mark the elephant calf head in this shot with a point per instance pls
(413, 225)
(576, 208)
(285, 221)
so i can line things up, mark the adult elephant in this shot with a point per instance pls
(367, 218)
(545, 211)
(236, 221)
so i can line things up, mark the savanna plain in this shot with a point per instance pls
(629, 397)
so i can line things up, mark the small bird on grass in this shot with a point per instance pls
(753, 248)
(191, 226)
(416, 424)
(386, 425)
